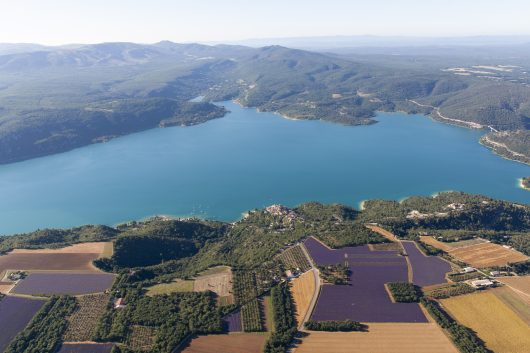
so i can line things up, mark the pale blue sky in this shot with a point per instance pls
(90, 21)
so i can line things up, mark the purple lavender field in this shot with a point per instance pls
(427, 270)
(232, 322)
(64, 283)
(366, 298)
(15, 314)
(86, 348)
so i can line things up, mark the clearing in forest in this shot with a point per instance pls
(217, 279)
(303, 290)
(380, 338)
(231, 343)
(178, 285)
(500, 328)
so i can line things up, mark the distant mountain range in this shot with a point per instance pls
(54, 99)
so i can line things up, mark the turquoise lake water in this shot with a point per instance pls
(249, 160)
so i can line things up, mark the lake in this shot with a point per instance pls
(249, 160)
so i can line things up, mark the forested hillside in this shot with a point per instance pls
(56, 99)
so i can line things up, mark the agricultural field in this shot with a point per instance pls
(294, 258)
(426, 270)
(86, 348)
(520, 284)
(231, 343)
(83, 323)
(302, 290)
(380, 338)
(251, 316)
(232, 322)
(5, 287)
(217, 279)
(448, 290)
(478, 254)
(178, 285)
(496, 324)
(520, 304)
(77, 257)
(41, 283)
(142, 338)
(15, 314)
(366, 300)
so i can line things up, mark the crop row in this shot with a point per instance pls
(450, 291)
(83, 323)
(142, 338)
(244, 286)
(294, 258)
(459, 277)
(251, 316)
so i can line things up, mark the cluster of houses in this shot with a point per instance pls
(479, 283)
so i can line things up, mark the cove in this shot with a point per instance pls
(247, 160)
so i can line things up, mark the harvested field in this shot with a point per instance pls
(294, 258)
(520, 284)
(232, 322)
(231, 343)
(179, 285)
(5, 287)
(86, 348)
(487, 255)
(82, 324)
(15, 314)
(366, 299)
(302, 290)
(478, 254)
(519, 304)
(142, 338)
(381, 338)
(426, 270)
(81, 248)
(40, 283)
(390, 236)
(217, 280)
(500, 328)
(427, 239)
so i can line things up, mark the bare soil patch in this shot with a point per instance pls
(231, 343)
(217, 280)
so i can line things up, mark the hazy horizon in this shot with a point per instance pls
(61, 22)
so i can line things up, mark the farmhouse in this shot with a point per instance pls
(468, 269)
(119, 303)
(482, 283)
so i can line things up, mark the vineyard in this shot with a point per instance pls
(251, 316)
(83, 322)
(244, 286)
(451, 290)
(142, 338)
(459, 277)
(294, 259)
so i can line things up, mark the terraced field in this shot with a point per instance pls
(380, 338)
(495, 323)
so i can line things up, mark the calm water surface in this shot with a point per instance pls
(246, 160)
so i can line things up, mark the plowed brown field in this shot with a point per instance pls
(231, 343)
